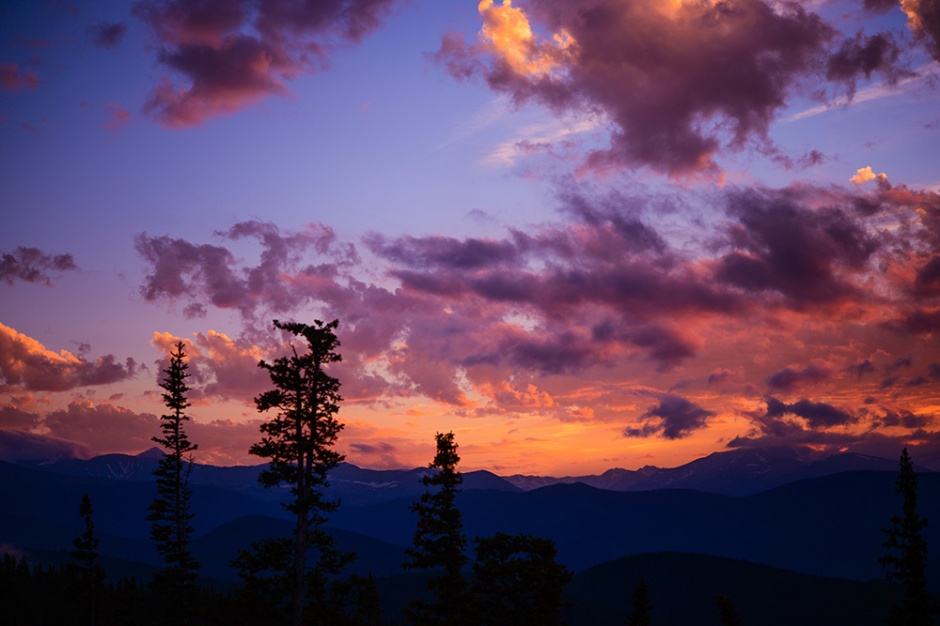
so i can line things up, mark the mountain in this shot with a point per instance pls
(827, 526)
(738, 472)
(682, 589)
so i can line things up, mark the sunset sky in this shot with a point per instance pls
(581, 234)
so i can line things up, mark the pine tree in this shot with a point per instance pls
(642, 607)
(170, 512)
(727, 613)
(439, 543)
(299, 442)
(516, 580)
(85, 564)
(908, 561)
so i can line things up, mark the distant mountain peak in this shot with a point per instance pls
(152, 453)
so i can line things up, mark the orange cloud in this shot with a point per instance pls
(507, 35)
(27, 364)
(867, 174)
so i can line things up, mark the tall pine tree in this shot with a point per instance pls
(439, 542)
(298, 443)
(907, 562)
(170, 512)
(86, 565)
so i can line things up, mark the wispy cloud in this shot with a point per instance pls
(872, 92)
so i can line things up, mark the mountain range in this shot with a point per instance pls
(776, 508)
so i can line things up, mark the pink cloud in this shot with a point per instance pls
(14, 79)
(598, 298)
(118, 117)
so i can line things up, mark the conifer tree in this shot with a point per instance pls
(439, 543)
(908, 561)
(170, 512)
(86, 564)
(642, 607)
(298, 443)
(727, 613)
(516, 580)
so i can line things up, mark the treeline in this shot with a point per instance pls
(299, 579)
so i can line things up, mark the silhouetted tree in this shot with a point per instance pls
(86, 564)
(170, 512)
(642, 607)
(908, 562)
(516, 580)
(299, 442)
(439, 543)
(727, 614)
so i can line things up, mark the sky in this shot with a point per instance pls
(580, 235)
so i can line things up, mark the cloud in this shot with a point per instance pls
(18, 446)
(104, 427)
(607, 292)
(220, 367)
(233, 53)
(675, 418)
(180, 269)
(816, 414)
(923, 19)
(783, 246)
(866, 174)
(107, 34)
(678, 81)
(118, 117)
(31, 265)
(27, 364)
(864, 56)
(791, 378)
(14, 79)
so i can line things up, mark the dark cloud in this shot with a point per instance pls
(861, 368)
(783, 246)
(26, 364)
(864, 56)
(444, 252)
(729, 65)
(673, 418)
(927, 282)
(917, 322)
(905, 419)
(32, 265)
(233, 53)
(818, 415)
(107, 34)
(790, 378)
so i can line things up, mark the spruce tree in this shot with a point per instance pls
(642, 607)
(170, 512)
(85, 564)
(908, 561)
(439, 543)
(727, 613)
(298, 443)
(516, 580)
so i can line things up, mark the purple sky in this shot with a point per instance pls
(580, 235)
